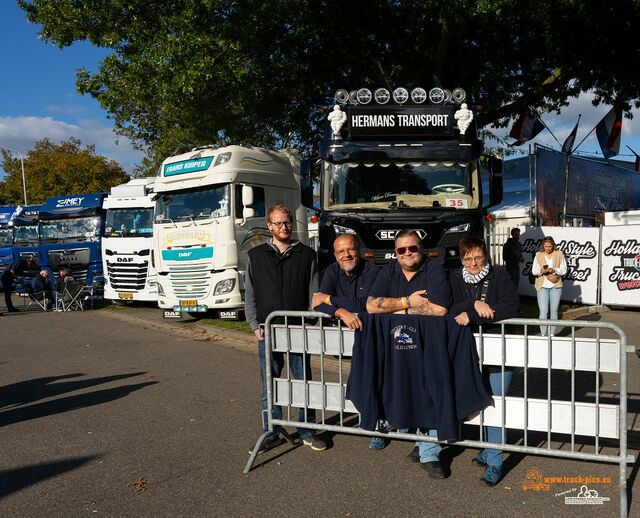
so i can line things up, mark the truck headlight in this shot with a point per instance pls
(160, 290)
(460, 228)
(224, 286)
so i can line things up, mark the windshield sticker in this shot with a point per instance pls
(187, 166)
(457, 203)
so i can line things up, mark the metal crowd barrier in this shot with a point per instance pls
(587, 418)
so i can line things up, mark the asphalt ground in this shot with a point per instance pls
(117, 413)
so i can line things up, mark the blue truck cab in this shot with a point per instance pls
(70, 230)
(6, 237)
(26, 239)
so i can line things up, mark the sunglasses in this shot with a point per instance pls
(404, 249)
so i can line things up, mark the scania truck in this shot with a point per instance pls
(210, 211)
(127, 241)
(393, 161)
(70, 232)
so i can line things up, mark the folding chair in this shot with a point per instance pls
(70, 299)
(42, 299)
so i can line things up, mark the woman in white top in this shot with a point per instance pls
(549, 266)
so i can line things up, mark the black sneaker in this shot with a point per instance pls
(414, 456)
(314, 442)
(13, 310)
(433, 469)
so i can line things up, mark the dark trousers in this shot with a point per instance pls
(514, 272)
(7, 298)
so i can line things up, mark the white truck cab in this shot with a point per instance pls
(127, 240)
(210, 211)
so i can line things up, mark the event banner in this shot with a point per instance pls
(621, 265)
(594, 186)
(580, 246)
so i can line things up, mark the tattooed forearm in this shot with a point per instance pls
(383, 304)
(426, 309)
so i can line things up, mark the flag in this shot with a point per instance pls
(525, 129)
(637, 167)
(567, 147)
(608, 131)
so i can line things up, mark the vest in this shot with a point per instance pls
(555, 263)
(281, 281)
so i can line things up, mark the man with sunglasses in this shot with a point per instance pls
(415, 285)
(282, 274)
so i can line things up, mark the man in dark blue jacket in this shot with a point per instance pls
(344, 290)
(414, 285)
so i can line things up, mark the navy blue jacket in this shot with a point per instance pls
(430, 276)
(416, 371)
(502, 296)
(349, 292)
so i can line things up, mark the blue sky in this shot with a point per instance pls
(38, 99)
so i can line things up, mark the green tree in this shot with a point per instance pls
(191, 72)
(58, 169)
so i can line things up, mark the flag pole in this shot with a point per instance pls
(552, 134)
(566, 180)
(637, 155)
(585, 137)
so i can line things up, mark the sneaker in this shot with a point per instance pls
(491, 475)
(13, 310)
(480, 459)
(433, 469)
(378, 443)
(272, 441)
(414, 456)
(314, 442)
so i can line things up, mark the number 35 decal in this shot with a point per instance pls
(457, 203)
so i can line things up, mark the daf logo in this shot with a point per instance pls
(124, 259)
(184, 254)
(390, 235)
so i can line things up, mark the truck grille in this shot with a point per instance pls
(383, 256)
(190, 282)
(127, 276)
(452, 239)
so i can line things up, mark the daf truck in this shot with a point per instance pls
(210, 211)
(127, 241)
(394, 161)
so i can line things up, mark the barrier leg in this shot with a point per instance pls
(255, 451)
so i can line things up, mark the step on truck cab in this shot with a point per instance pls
(6, 238)
(210, 211)
(70, 231)
(26, 240)
(398, 161)
(127, 241)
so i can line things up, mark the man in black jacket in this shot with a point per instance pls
(282, 274)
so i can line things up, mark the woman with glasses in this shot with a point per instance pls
(483, 294)
(549, 266)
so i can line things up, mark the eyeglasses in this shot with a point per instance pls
(350, 251)
(477, 259)
(404, 249)
(280, 224)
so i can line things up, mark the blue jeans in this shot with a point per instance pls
(429, 451)
(277, 363)
(549, 300)
(494, 433)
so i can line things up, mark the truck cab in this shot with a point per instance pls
(127, 241)
(210, 211)
(26, 241)
(70, 230)
(6, 238)
(392, 166)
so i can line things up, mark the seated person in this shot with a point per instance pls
(482, 294)
(63, 279)
(41, 286)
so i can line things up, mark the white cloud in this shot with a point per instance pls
(20, 134)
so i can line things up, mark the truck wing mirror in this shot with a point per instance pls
(495, 181)
(248, 212)
(306, 183)
(247, 196)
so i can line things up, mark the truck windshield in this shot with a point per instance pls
(399, 185)
(70, 230)
(26, 235)
(6, 236)
(129, 222)
(207, 202)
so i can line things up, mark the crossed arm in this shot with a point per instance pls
(418, 305)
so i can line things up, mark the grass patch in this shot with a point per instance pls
(235, 325)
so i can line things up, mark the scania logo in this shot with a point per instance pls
(124, 259)
(390, 235)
